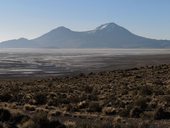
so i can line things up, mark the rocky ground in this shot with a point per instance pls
(130, 98)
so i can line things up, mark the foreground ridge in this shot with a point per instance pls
(111, 98)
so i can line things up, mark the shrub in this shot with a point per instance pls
(160, 113)
(52, 102)
(27, 124)
(41, 121)
(55, 113)
(92, 124)
(18, 117)
(144, 125)
(141, 102)
(40, 98)
(109, 110)
(147, 115)
(135, 112)
(29, 107)
(70, 124)
(5, 97)
(88, 89)
(118, 119)
(5, 114)
(71, 108)
(166, 98)
(124, 112)
(146, 90)
(82, 105)
(94, 107)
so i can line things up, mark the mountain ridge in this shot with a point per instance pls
(109, 35)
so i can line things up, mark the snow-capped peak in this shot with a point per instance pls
(107, 26)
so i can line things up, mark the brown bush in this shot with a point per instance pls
(146, 90)
(141, 102)
(160, 113)
(29, 107)
(135, 112)
(124, 112)
(94, 107)
(40, 120)
(5, 97)
(54, 113)
(5, 115)
(40, 98)
(88, 88)
(109, 110)
(82, 105)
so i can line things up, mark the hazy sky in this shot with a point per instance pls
(32, 18)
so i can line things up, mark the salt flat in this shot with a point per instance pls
(40, 62)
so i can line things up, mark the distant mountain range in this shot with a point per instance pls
(109, 35)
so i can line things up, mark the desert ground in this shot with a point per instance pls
(131, 91)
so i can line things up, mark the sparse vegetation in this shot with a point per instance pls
(138, 97)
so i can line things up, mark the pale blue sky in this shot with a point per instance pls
(32, 18)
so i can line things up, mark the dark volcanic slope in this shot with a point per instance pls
(109, 35)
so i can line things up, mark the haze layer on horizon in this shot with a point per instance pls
(31, 18)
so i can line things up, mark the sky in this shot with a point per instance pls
(32, 18)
